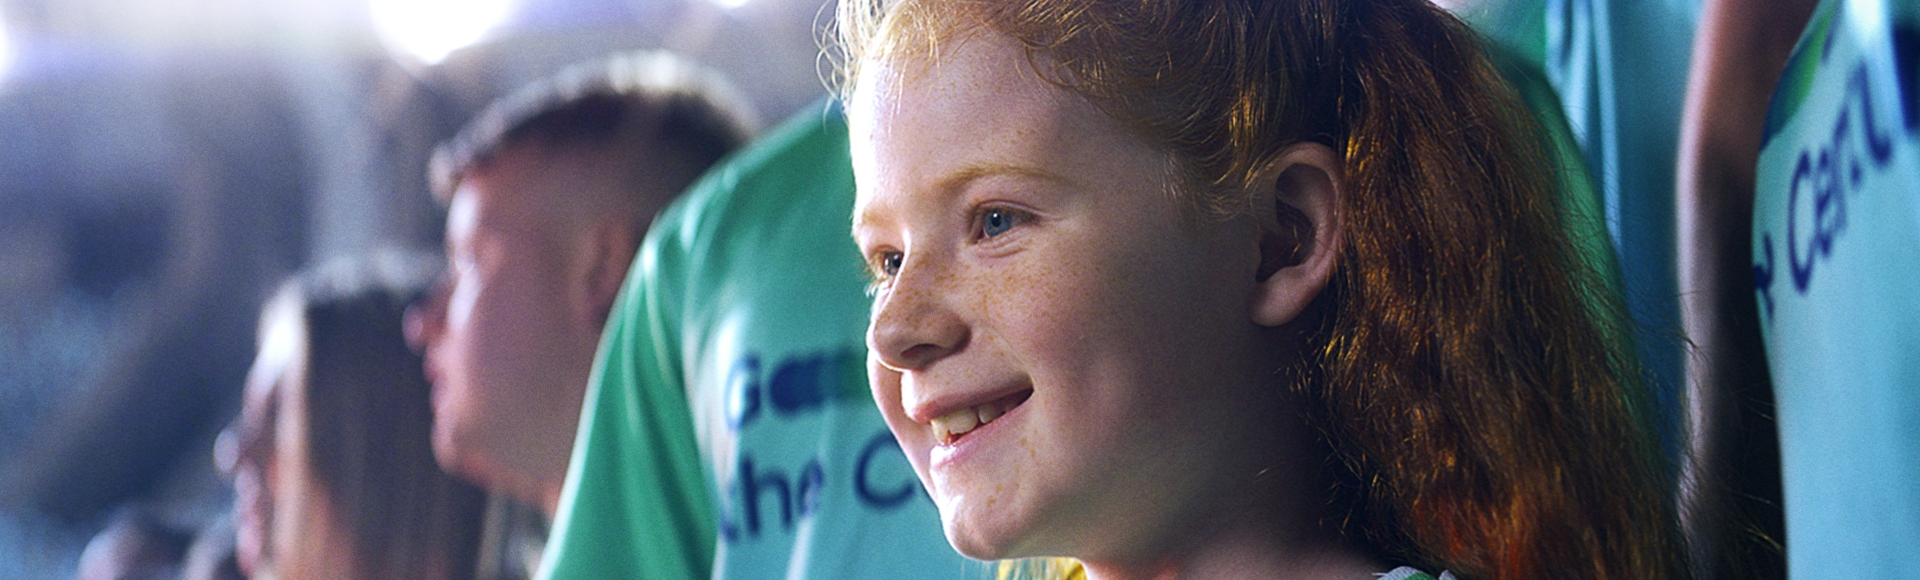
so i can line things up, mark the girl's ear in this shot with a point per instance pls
(1300, 238)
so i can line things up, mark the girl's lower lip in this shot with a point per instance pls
(946, 455)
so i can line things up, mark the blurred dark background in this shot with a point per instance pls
(164, 163)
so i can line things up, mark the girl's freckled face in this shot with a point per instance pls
(1035, 275)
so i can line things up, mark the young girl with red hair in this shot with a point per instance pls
(1238, 289)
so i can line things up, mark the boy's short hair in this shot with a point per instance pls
(628, 102)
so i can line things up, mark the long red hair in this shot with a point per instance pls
(1470, 373)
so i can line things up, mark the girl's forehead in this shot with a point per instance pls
(981, 107)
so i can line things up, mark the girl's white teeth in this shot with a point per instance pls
(948, 427)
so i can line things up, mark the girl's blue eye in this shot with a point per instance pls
(995, 222)
(890, 264)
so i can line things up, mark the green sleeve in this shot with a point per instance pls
(636, 502)
(1584, 217)
(1514, 36)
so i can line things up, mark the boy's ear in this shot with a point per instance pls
(607, 251)
(1300, 236)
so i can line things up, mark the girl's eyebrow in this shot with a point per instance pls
(958, 181)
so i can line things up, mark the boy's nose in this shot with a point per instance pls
(425, 320)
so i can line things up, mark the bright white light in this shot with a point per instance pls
(431, 29)
(729, 3)
(6, 49)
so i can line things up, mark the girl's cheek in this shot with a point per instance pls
(885, 384)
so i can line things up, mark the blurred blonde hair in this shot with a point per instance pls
(1061, 568)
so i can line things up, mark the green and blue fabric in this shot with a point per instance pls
(728, 431)
(1836, 271)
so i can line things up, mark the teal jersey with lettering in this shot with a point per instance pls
(729, 431)
(1836, 244)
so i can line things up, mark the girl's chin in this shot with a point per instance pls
(975, 547)
(984, 538)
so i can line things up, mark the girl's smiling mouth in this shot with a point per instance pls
(950, 427)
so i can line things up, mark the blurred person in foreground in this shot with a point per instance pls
(331, 457)
(549, 192)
